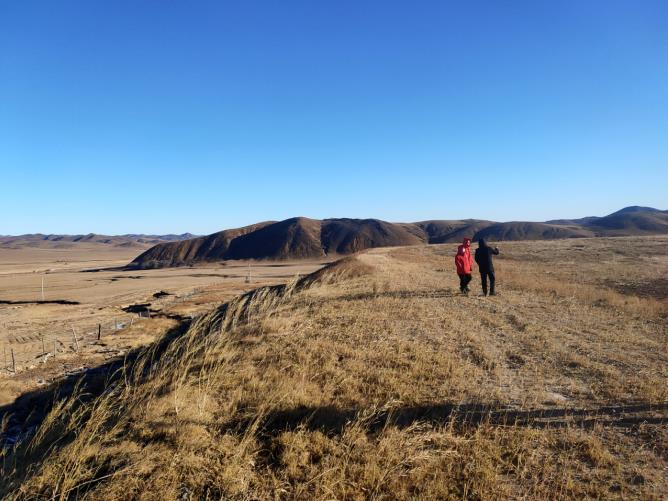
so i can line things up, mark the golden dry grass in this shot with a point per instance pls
(29, 329)
(374, 379)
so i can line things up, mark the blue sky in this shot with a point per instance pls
(156, 117)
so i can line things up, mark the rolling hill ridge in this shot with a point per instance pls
(40, 239)
(304, 238)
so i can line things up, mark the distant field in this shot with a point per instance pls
(99, 298)
(58, 257)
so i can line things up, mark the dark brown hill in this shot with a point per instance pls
(630, 218)
(530, 231)
(303, 238)
(636, 208)
(212, 247)
(345, 236)
(439, 232)
(577, 222)
(633, 222)
(295, 238)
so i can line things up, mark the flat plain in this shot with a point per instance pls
(374, 378)
(85, 289)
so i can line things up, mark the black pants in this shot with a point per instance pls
(464, 282)
(483, 279)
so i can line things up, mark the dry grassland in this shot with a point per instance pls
(79, 300)
(375, 379)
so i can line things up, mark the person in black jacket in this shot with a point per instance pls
(483, 256)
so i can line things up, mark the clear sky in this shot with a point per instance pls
(172, 116)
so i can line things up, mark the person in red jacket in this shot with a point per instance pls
(464, 262)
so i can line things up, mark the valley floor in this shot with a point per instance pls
(37, 331)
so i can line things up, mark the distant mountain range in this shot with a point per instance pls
(303, 238)
(39, 239)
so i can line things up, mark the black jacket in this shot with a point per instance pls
(483, 256)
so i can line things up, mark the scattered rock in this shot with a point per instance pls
(554, 398)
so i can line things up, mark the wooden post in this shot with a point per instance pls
(43, 350)
(54, 348)
(99, 331)
(13, 362)
(132, 319)
(76, 341)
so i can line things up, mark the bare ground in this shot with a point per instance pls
(39, 330)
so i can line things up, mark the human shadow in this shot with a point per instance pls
(400, 294)
(333, 420)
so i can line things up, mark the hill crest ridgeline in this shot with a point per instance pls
(304, 238)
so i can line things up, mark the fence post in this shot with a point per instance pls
(43, 351)
(99, 331)
(76, 341)
(13, 362)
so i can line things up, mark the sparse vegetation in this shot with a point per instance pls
(374, 379)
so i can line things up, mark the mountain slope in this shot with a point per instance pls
(633, 222)
(345, 236)
(303, 238)
(295, 238)
(209, 248)
(438, 232)
(530, 231)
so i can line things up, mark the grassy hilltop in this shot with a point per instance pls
(374, 379)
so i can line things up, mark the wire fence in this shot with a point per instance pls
(70, 339)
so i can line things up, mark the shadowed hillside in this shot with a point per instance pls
(296, 238)
(303, 238)
(628, 221)
(638, 220)
(213, 247)
(530, 231)
(439, 232)
(345, 236)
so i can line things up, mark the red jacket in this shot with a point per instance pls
(464, 259)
